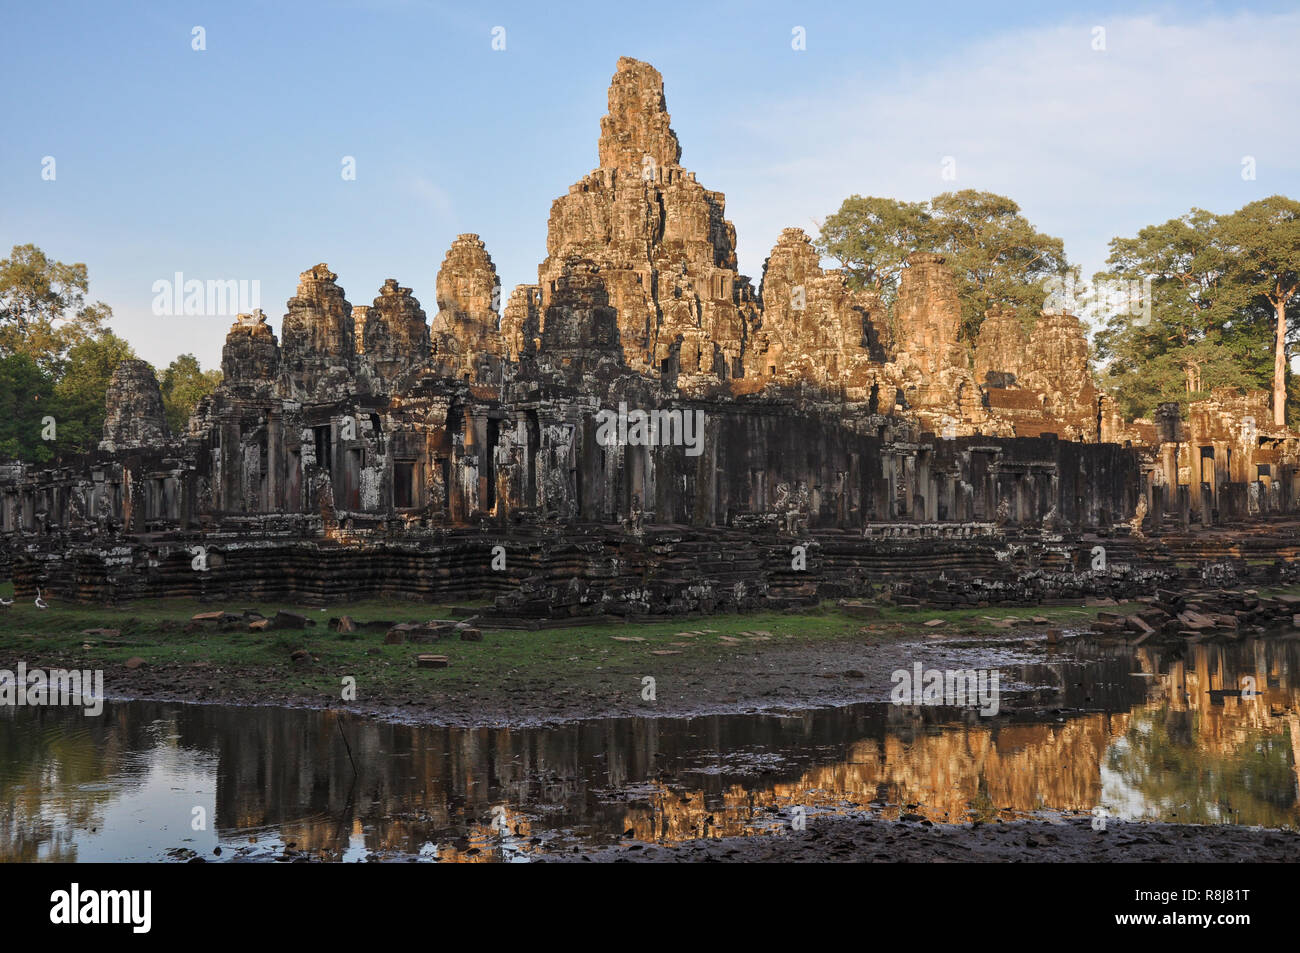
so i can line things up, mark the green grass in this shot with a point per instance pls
(155, 632)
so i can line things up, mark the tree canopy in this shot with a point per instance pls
(1218, 284)
(43, 309)
(57, 359)
(997, 254)
(81, 389)
(183, 385)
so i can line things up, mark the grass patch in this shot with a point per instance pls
(155, 631)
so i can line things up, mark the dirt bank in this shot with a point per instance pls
(864, 839)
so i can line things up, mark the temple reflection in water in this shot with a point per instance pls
(1139, 734)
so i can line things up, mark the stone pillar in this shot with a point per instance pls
(274, 439)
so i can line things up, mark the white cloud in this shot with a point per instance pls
(1090, 144)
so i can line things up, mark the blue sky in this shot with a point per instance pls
(225, 163)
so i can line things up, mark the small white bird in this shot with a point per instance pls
(5, 603)
(40, 603)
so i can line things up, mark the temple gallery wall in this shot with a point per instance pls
(641, 430)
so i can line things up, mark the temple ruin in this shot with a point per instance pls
(370, 450)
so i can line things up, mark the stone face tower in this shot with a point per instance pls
(928, 314)
(637, 127)
(659, 240)
(317, 336)
(135, 416)
(1000, 347)
(250, 358)
(467, 327)
(814, 327)
(1057, 365)
(395, 336)
(581, 329)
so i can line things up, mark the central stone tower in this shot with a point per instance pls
(658, 241)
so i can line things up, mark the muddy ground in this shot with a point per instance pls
(864, 839)
(755, 677)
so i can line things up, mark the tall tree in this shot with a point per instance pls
(997, 254)
(43, 309)
(1264, 242)
(999, 257)
(871, 238)
(26, 400)
(183, 385)
(1211, 309)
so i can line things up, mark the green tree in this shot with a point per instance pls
(43, 309)
(183, 385)
(82, 388)
(1207, 324)
(1264, 242)
(26, 399)
(871, 238)
(997, 254)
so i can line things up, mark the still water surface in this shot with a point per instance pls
(1142, 734)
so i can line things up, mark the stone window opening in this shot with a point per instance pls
(324, 447)
(404, 484)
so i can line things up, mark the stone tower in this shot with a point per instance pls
(660, 241)
(466, 336)
(135, 418)
(927, 314)
(814, 327)
(1000, 347)
(395, 336)
(250, 359)
(317, 336)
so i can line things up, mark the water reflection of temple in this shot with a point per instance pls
(1168, 736)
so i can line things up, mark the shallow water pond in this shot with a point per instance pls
(1148, 734)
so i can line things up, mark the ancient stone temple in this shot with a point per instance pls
(641, 430)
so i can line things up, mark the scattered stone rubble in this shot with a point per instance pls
(1180, 615)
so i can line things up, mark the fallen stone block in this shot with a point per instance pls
(288, 620)
(431, 661)
(1141, 626)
